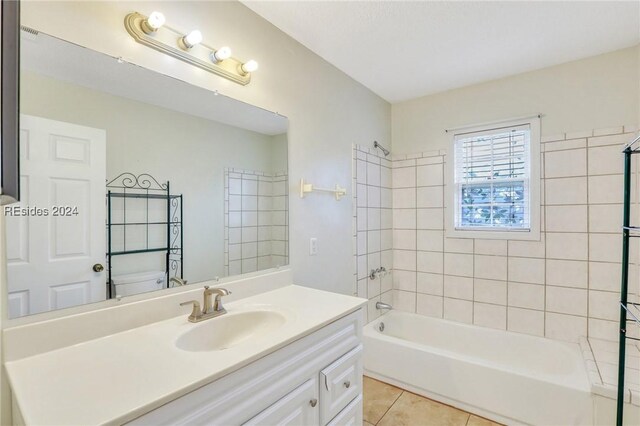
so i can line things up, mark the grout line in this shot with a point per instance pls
(392, 404)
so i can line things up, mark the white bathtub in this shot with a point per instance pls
(507, 377)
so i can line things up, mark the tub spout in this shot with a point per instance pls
(380, 305)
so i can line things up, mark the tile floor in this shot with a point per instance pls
(387, 405)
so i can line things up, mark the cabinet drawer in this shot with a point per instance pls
(297, 408)
(350, 416)
(340, 383)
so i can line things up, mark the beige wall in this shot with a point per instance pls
(597, 92)
(188, 151)
(328, 111)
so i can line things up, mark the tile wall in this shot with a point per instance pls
(562, 287)
(256, 220)
(372, 226)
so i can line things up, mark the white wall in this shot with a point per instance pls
(593, 93)
(328, 111)
(188, 151)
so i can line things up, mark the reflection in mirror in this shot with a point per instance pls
(133, 181)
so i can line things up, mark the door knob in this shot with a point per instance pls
(98, 267)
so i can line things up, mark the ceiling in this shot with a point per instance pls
(68, 62)
(402, 50)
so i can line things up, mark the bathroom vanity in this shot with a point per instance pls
(287, 356)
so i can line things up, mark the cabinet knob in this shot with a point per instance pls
(313, 402)
(347, 384)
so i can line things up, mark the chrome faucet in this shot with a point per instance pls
(382, 305)
(212, 305)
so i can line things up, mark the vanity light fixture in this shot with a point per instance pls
(190, 40)
(220, 54)
(248, 67)
(152, 23)
(189, 48)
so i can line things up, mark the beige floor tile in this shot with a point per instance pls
(479, 421)
(366, 424)
(414, 410)
(378, 397)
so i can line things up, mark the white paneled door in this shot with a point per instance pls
(55, 235)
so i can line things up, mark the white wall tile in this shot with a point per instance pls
(385, 177)
(429, 305)
(373, 261)
(430, 218)
(430, 175)
(530, 296)
(458, 264)
(404, 259)
(386, 239)
(404, 301)
(373, 174)
(490, 291)
(604, 305)
(565, 327)
(605, 247)
(386, 218)
(526, 270)
(404, 239)
(430, 283)
(565, 163)
(525, 321)
(619, 140)
(373, 196)
(492, 316)
(373, 219)
(566, 218)
(603, 329)
(404, 280)
(490, 247)
(567, 246)
(373, 287)
(490, 267)
(605, 189)
(605, 160)
(527, 248)
(373, 241)
(458, 287)
(566, 191)
(428, 261)
(565, 145)
(404, 218)
(458, 245)
(567, 273)
(404, 198)
(430, 196)
(605, 218)
(458, 310)
(430, 240)
(566, 300)
(606, 276)
(404, 177)
(361, 195)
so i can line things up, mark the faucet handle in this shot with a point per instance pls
(196, 312)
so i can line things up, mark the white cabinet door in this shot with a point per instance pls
(350, 416)
(340, 383)
(299, 407)
(50, 257)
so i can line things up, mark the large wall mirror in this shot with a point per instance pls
(132, 181)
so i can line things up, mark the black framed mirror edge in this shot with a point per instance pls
(10, 145)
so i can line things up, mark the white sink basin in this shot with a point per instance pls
(229, 330)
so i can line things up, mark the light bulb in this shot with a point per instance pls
(249, 66)
(221, 54)
(191, 39)
(153, 22)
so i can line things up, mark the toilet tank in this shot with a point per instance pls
(139, 282)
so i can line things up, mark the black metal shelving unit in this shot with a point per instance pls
(144, 188)
(629, 312)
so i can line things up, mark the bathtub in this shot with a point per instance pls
(507, 377)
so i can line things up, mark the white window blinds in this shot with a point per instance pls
(492, 179)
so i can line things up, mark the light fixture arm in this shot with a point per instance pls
(167, 41)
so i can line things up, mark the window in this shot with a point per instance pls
(495, 181)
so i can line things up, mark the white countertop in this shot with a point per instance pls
(117, 378)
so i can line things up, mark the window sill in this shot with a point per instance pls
(493, 234)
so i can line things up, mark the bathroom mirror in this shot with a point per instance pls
(132, 181)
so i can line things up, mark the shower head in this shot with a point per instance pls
(384, 150)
